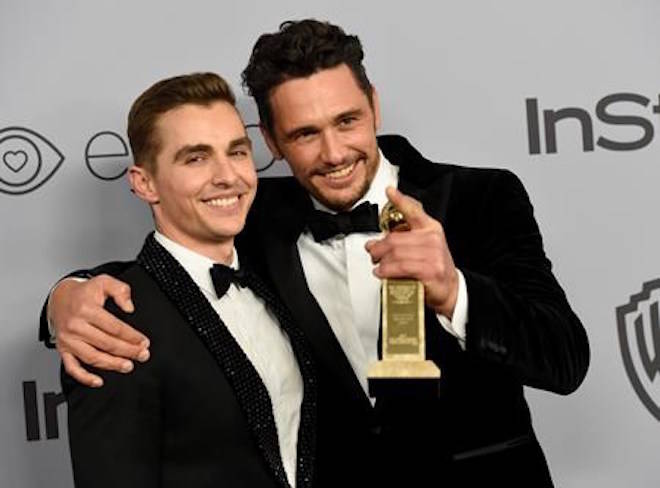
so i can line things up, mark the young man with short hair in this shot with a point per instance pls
(228, 395)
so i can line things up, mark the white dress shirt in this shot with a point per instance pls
(338, 271)
(258, 333)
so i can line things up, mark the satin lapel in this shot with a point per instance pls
(434, 198)
(286, 271)
(425, 181)
(281, 219)
(237, 368)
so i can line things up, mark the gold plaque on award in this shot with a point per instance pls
(403, 368)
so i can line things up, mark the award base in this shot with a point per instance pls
(403, 378)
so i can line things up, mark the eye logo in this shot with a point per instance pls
(15, 160)
(27, 160)
(263, 159)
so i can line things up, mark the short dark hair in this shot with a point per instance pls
(165, 95)
(299, 49)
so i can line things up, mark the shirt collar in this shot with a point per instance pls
(386, 175)
(195, 264)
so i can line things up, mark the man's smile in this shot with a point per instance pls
(341, 173)
(222, 201)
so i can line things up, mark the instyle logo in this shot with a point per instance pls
(27, 160)
(51, 401)
(618, 109)
(639, 337)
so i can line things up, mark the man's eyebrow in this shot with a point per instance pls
(241, 141)
(349, 113)
(292, 134)
(192, 148)
(312, 128)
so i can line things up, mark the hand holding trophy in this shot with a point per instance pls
(403, 368)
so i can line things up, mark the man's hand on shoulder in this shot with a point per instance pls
(87, 333)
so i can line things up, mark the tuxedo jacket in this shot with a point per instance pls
(197, 413)
(520, 331)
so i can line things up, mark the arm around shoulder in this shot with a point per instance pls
(113, 268)
(86, 333)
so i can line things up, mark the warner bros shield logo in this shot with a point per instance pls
(639, 337)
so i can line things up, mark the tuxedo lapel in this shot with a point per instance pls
(237, 368)
(434, 198)
(282, 221)
(285, 266)
(306, 448)
(418, 177)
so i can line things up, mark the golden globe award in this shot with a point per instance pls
(403, 368)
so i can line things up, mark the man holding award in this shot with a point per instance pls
(447, 405)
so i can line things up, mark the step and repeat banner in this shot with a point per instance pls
(565, 94)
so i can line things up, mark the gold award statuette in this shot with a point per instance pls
(403, 368)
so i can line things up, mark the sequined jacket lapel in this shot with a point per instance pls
(237, 368)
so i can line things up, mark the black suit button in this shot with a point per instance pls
(496, 348)
(376, 430)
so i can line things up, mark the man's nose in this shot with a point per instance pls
(332, 149)
(224, 172)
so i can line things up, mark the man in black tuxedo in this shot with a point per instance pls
(229, 395)
(496, 318)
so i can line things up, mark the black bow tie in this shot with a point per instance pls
(363, 218)
(223, 276)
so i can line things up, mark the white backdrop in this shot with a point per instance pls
(453, 77)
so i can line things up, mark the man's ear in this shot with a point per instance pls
(376, 107)
(142, 184)
(270, 142)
